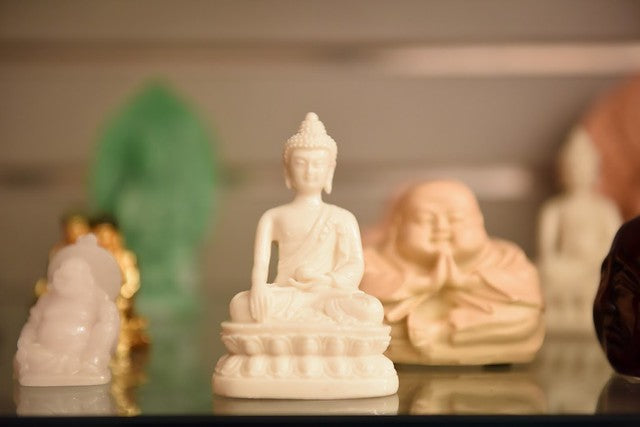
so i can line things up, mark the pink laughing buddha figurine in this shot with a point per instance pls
(452, 295)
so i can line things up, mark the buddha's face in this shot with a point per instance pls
(579, 172)
(440, 217)
(309, 170)
(73, 279)
(616, 310)
(579, 161)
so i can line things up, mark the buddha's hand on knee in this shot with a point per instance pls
(305, 274)
(259, 302)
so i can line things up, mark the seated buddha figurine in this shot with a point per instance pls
(311, 334)
(73, 328)
(574, 233)
(452, 295)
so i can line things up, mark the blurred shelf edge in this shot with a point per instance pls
(322, 20)
(405, 59)
(501, 181)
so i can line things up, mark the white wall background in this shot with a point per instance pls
(480, 90)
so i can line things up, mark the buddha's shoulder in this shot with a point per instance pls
(505, 251)
(271, 215)
(339, 213)
(335, 212)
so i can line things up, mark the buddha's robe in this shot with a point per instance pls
(495, 298)
(332, 247)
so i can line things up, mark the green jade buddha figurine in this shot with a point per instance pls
(155, 173)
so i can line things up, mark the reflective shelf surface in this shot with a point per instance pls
(570, 375)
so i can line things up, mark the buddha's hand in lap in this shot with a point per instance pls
(259, 302)
(322, 282)
(308, 279)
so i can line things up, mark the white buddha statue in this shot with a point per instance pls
(452, 295)
(575, 231)
(73, 328)
(311, 331)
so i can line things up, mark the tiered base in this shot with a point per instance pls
(304, 388)
(282, 361)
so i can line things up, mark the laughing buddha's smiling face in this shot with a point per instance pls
(439, 217)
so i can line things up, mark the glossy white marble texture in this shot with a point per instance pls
(73, 328)
(311, 334)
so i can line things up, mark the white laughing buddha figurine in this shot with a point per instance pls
(312, 334)
(73, 328)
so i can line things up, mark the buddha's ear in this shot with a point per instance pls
(328, 186)
(287, 179)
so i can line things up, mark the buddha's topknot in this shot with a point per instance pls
(312, 134)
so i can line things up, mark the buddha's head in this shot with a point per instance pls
(578, 161)
(310, 158)
(73, 279)
(616, 309)
(436, 217)
(103, 267)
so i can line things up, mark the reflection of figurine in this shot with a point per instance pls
(620, 395)
(73, 328)
(571, 369)
(92, 400)
(476, 391)
(312, 333)
(574, 233)
(451, 294)
(128, 373)
(385, 405)
(616, 309)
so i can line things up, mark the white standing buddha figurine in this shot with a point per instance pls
(73, 328)
(574, 234)
(311, 334)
